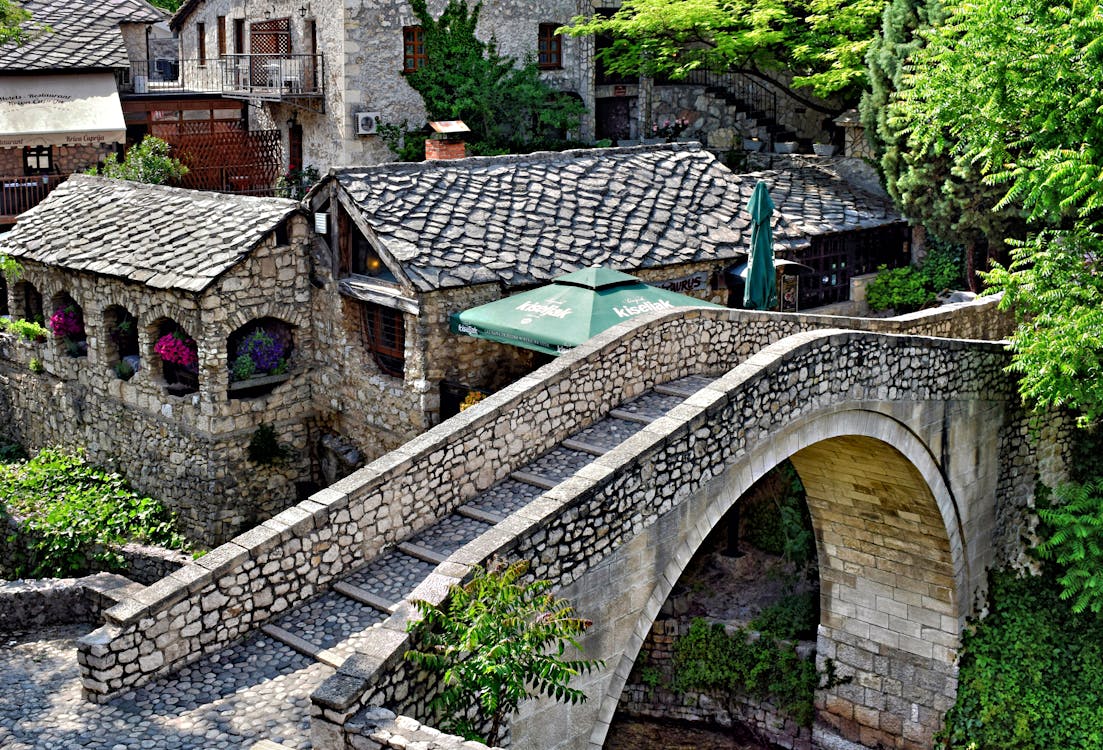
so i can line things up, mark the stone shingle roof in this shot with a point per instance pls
(163, 237)
(522, 220)
(84, 35)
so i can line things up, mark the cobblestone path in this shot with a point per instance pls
(260, 689)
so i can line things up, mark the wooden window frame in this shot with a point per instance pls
(239, 36)
(37, 154)
(221, 29)
(549, 47)
(384, 330)
(413, 49)
(201, 43)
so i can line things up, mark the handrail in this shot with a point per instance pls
(752, 95)
(269, 76)
(19, 193)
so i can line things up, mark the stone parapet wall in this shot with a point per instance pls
(297, 554)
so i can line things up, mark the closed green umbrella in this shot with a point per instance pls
(761, 290)
(559, 316)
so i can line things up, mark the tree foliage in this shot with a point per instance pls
(16, 26)
(498, 640)
(999, 111)
(1074, 538)
(149, 161)
(823, 42)
(506, 106)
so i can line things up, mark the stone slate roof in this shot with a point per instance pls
(85, 35)
(163, 237)
(521, 220)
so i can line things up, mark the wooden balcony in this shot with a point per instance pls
(266, 77)
(22, 193)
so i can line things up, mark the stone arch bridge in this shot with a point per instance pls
(911, 445)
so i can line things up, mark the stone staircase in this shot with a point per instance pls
(256, 693)
(329, 628)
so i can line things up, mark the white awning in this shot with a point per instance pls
(60, 110)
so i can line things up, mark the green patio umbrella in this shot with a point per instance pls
(559, 316)
(761, 290)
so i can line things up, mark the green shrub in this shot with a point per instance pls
(264, 446)
(911, 288)
(775, 516)
(1031, 672)
(709, 659)
(27, 330)
(68, 515)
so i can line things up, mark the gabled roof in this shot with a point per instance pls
(84, 35)
(163, 237)
(521, 220)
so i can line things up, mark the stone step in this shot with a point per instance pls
(534, 479)
(354, 592)
(269, 745)
(422, 553)
(322, 628)
(479, 514)
(684, 387)
(557, 465)
(607, 434)
(504, 498)
(391, 576)
(450, 533)
(650, 406)
(583, 447)
(639, 419)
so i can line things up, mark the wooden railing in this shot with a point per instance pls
(22, 193)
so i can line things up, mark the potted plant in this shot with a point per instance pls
(785, 147)
(752, 144)
(823, 146)
(180, 360)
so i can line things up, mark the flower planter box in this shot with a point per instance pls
(785, 147)
(263, 380)
(752, 144)
(823, 149)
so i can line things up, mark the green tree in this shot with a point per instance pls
(1003, 99)
(16, 26)
(465, 78)
(149, 161)
(497, 641)
(823, 42)
(1074, 538)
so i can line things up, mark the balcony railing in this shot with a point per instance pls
(22, 193)
(272, 77)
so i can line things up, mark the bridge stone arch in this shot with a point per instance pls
(882, 596)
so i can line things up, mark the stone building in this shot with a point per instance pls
(322, 72)
(356, 285)
(60, 110)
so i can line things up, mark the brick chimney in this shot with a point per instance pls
(447, 140)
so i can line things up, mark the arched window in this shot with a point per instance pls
(177, 354)
(259, 356)
(27, 303)
(122, 337)
(67, 323)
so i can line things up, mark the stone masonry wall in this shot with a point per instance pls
(296, 554)
(189, 451)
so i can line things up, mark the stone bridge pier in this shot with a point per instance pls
(911, 454)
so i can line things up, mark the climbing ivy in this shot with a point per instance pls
(1031, 672)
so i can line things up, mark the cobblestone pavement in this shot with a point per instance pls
(258, 689)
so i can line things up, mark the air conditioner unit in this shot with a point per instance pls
(366, 123)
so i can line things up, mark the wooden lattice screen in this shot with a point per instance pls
(234, 161)
(268, 40)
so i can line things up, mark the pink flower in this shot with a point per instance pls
(178, 349)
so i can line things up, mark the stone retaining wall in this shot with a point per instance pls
(35, 604)
(298, 553)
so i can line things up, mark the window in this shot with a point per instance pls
(413, 46)
(549, 49)
(221, 30)
(37, 160)
(385, 337)
(201, 42)
(239, 36)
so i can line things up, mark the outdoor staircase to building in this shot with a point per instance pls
(256, 693)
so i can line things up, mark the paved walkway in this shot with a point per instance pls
(260, 688)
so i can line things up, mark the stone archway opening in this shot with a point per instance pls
(744, 611)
